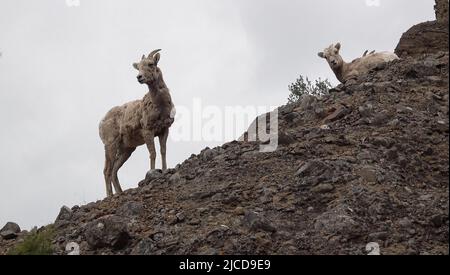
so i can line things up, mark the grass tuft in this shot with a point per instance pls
(37, 243)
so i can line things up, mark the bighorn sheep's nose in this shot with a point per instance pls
(139, 77)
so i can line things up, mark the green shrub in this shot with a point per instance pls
(37, 243)
(303, 86)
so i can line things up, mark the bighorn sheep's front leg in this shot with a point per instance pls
(163, 143)
(150, 141)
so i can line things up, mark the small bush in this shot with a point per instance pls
(38, 243)
(303, 86)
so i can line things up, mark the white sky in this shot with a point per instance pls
(62, 68)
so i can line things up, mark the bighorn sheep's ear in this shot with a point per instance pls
(143, 57)
(338, 46)
(136, 66)
(156, 58)
(321, 55)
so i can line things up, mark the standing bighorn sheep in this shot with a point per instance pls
(346, 71)
(137, 123)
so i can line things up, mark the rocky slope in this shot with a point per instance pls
(367, 163)
(424, 38)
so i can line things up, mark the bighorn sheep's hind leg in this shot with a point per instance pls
(122, 157)
(109, 155)
(163, 145)
(150, 141)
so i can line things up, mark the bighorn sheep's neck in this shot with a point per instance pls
(157, 85)
(341, 72)
(158, 95)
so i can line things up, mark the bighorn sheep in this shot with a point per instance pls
(346, 71)
(137, 123)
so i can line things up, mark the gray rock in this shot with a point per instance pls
(323, 188)
(437, 220)
(131, 209)
(64, 214)
(368, 174)
(202, 195)
(109, 231)
(153, 175)
(381, 118)
(285, 138)
(8, 235)
(207, 251)
(209, 154)
(194, 222)
(11, 226)
(335, 221)
(144, 247)
(169, 171)
(405, 223)
(426, 197)
(180, 217)
(256, 222)
(291, 116)
(339, 113)
(378, 236)
(176, 179)
(172, 220)
(381, 141)
(441, 126)
(392, 154)
(10, 231)
(314, 167)
(366, 111)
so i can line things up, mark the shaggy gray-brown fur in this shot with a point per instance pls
(136, 123)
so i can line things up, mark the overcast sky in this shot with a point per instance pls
(62, 68)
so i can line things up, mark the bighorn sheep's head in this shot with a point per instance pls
(148, 68)
(331, 54)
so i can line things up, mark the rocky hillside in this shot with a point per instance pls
(424, 38)
(367, 163)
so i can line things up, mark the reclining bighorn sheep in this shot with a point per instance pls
(347, 71)
(137, 123)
